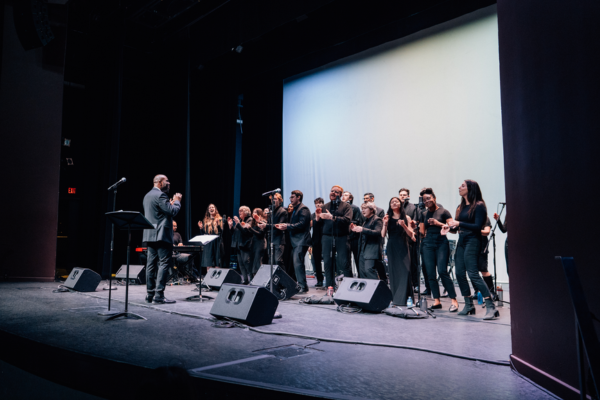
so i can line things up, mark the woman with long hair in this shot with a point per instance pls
(212, 224)
(436, 249)
(259, 242)
(397, 225)
(470, 217)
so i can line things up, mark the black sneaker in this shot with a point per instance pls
(149, 298)
(302, 291)
(163, 300)
(319, 284)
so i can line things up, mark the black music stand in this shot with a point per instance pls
(198, 297)
(128, 220)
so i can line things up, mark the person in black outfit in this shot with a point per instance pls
(213, 252)
(381, 268)
(259, 241)
(181, 260)
(482, 263)
(436, 249)
(279, 216)
(397, 225)
(470, 217)
(160, 212)
(411, 212)
(242, 241)
(299, 234)
(502, 227)
(370, 241)
(353, 237)
(316, 249)
(335, 217)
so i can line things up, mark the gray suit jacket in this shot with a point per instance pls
(159, 211)
(299, 227)
(370, 238)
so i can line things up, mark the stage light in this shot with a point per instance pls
(238, 49)
(72, 190)
(66, 142)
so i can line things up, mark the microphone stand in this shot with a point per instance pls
(493, 239)
(110, 260)
(276, 315)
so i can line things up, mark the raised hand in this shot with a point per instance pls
(236, 219)
(402, 224)
(432, 221)
(453, 223)
(326, 215)
(177, 197)
(386, 218)
(496, 216)
(413, 224)
(230, 222)
(445, 229)
(355, 228)
(200, 224)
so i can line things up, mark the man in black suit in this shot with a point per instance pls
(357, 219)
(414, 214)
(335, 217)
(379, 266)
(370, 241)
(299, 229)
(279, 216)
(160, 212)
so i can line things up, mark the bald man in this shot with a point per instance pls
(159, 210)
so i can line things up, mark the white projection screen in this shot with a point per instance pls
(421, 111)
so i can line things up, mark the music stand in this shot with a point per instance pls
(204, 239)
(128, 220)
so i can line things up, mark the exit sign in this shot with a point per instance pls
(72, 190)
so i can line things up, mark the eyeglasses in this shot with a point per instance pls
(336, 191)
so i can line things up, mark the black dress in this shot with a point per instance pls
(212, 252)
(398, 254)
(259, 245)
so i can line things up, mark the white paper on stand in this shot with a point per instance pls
(204, 239)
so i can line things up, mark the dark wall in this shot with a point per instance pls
(30, 121)
(549, 85)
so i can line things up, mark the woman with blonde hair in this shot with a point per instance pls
(212, 224)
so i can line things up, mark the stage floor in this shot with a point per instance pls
(177, 335)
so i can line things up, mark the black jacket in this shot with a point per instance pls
(281, 217)
(159, 211)
(242, 237)
(370, 239)
(299, 227)
(339, 226)
(357, 219)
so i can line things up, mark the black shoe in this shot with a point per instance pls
(163, 300)
(426, 292)
(436, 307)
(319, 284)
(149, 298)
(302, 291)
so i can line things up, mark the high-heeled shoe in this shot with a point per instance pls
(453, 308)
(490, 310)
(469, 308)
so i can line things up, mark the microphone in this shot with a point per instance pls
(122, 180)
(272, 192)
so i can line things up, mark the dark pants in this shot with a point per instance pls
(436, 252)
(317, 258)
(244, 262)
(423, 269)
(278, 250)
(414, 263)
(298, 254)
(353, 244)
(160, 256)
(380, 268)
(506, 254)
(341, 256)
(367, 268)
(467, 257)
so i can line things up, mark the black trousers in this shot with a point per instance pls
(278, 250)
(160, 257)
(436, 253)
(506, 254)
(341, 256)
(298, 254)
(467, 257)
(414, 263)
(353, 243)
(368, 268)
(245, 263)
(317, 258)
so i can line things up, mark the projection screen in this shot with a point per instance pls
(421, 111)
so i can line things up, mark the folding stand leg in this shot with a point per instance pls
(126, 314)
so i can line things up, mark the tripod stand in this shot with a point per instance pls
(204, 239)
(492, 237)
(129, 220)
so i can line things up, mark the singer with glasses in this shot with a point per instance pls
(469, 220)
(335, 218)
(397, 225)
(436, 249)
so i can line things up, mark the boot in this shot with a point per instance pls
(490, 309)
(469, 308)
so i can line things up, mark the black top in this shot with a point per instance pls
(242, 237)
(370, 238)
(177, 238)
(317, 230)
(339, 226)
(357, 219)
(281, 217)
(441, 214)
(471, 226)
(411, 211)
(502, 226)
(299, 226)
(257, 232)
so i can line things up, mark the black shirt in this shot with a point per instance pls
(472, 225)
(357, 219)
(339, 226)
(177, 238)
(441, 214)
(317, 231)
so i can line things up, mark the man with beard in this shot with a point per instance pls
(299, 229)
(280, 216)
(353, 237)
(335, 217)
(160, 212)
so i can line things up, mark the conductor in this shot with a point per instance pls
(159, 210)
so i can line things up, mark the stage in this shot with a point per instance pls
(60, 337)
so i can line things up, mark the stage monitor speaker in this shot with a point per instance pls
(83, 280)
(216, 277)
(136, 272)
(251, 305)
(283, 285)
(371, 295)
